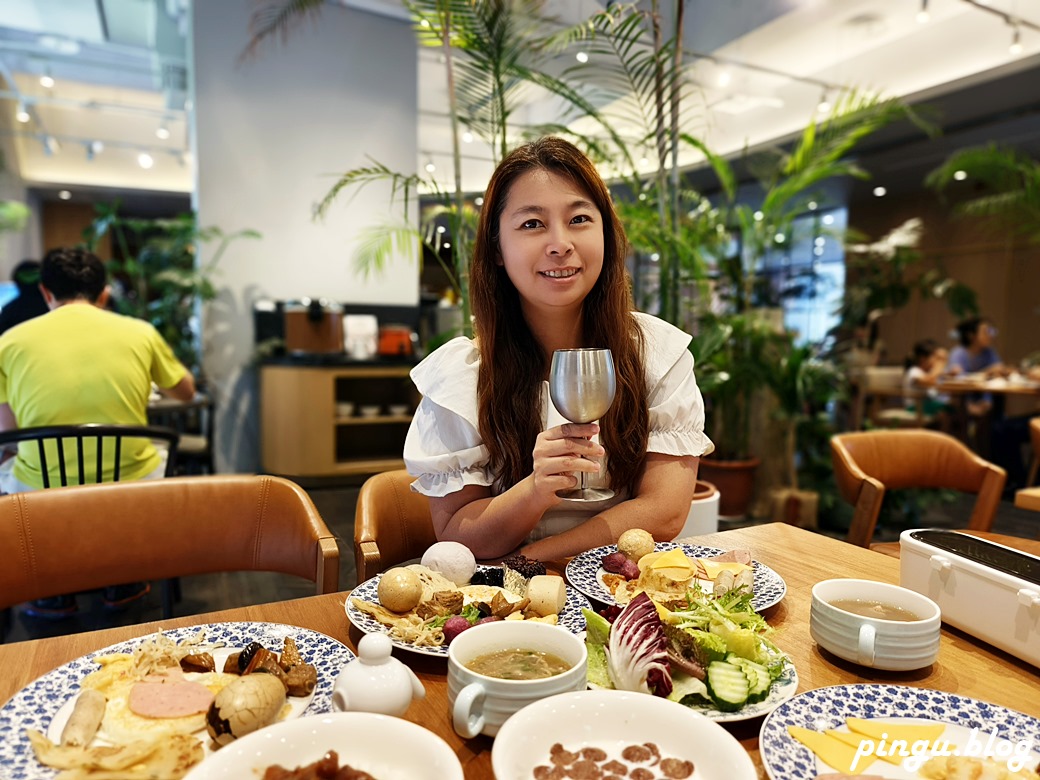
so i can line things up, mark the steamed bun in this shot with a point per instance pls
(452, 560)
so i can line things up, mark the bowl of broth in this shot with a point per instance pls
(875, 624)
(496, 669)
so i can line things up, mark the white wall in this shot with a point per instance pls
(270, 133)
(16, 246)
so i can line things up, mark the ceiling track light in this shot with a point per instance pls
(824, 106)
(46, 80)
(923, 16)
(1016, 40)
(162, 132)
(22, 113)
(51, 145)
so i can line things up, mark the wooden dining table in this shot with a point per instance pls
(966, 665)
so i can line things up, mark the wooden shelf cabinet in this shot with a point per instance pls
(303, 432)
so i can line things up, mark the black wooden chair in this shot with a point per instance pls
(57, 443)
(80, 454)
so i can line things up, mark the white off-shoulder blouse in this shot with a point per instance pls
(444, 451)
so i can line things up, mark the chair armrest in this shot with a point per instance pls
(367, 558)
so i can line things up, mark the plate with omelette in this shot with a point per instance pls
(685, 565)
(141, 709)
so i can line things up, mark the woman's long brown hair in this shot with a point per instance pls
(512, 363)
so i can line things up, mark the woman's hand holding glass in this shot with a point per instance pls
(559, 454)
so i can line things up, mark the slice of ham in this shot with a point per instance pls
(733, 556)
(169, 698)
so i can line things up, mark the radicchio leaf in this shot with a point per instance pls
(637, 656)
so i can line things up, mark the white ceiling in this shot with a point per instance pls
(119, 68)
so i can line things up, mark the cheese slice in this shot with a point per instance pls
(714, 568)
(833, 752)
(854, 739)
(889, 731)
(673, 559)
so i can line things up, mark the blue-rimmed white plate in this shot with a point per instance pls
(570, 616)
(46, 703)
(585, 572)
(785, 758)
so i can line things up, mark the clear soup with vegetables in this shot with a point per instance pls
(518, 664)
(875, 609)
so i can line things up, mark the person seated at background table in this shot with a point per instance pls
(82, 364)
(29, 302)
(977, 355)
(925, 365)
(486, 444)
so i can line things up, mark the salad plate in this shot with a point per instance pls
(585, 570)
(966, 719)
(46, 703)
(570, 616)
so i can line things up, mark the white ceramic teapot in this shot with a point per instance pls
(376, 681)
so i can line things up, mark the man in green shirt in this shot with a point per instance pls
(80, 363)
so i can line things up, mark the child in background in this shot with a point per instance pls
(924, 367)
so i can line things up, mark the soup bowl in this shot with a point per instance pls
(480, 703)
(875, 624)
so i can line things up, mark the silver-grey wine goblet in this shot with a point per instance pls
(582, 384)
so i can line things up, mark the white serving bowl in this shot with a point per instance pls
(363, 740)
(612, 721)
(370, 411)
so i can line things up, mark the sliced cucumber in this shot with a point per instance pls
(758, 677)
(728, 685)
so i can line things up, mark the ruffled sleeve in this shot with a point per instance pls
(676, 405)
(443, 449)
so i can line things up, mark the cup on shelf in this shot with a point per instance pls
(398, 410)
(370, 410)
(344, 408)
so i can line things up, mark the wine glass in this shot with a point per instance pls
(582, 386)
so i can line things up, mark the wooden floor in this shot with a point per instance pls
(336, 504)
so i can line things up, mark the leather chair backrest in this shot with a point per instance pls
(868, 463)
(65, 540)
(392, 524)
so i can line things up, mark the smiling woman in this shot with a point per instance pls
(486, 445)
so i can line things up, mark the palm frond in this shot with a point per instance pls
(277, 18)
(379, 244)
(1012, 181)
(402, 185)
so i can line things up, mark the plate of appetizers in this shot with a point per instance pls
(118, 700)
(414, 604)
(586, 572)
(894, 731)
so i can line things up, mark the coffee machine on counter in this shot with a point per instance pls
(313, 326)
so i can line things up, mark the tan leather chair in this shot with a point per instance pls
(391, 524)
(1034, 437)
(65, 540)
(867, 463)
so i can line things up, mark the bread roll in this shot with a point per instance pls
(547, 594)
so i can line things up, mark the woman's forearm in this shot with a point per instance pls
(494, 526)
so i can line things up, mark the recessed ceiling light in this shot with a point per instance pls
(46, 81)
(467, 137)
(780, 238)
(478, 201)
(64, 194)
(145, 160)
(430, 167)
(162, 132)
(582, 57)
(758, 216)
(828, 219)
(960, 175)
(880, 192)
